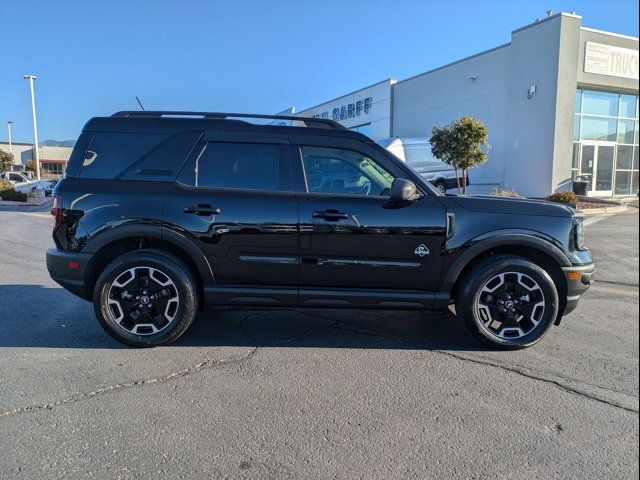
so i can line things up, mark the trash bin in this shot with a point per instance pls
(580, 186)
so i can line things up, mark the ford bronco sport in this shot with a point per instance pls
(161, 213)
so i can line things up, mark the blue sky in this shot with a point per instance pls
(93, 57)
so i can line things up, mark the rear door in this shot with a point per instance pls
(353, 237)
(234, 199)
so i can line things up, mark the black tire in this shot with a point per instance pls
(477, 307)
(178, 312)
(440, 186)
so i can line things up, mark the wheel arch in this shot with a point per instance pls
(124, 240)
(537, 250)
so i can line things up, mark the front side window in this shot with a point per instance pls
(249, 166)
(344, 172)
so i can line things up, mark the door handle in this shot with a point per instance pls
(202, 210)
(330, 215)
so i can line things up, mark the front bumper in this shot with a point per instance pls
(68, 270)
(579, 279)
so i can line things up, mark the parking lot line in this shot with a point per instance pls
(592, 220)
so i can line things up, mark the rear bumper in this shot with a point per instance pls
(579, 279)
(68, 270)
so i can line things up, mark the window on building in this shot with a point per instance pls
(602, 129)
(611, 119)
(600, 103)
(575, 160)
(628, 106)
(52, 169)
(627, 131)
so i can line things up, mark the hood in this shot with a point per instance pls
(518, 206)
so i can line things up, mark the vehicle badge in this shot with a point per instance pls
(421, 250)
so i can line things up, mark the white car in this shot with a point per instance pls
(416, 151)
(24, 182)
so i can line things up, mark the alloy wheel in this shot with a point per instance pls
(510, 305)
(143, 300)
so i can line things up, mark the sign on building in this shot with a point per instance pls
(609, 60)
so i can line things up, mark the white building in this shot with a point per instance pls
(53, 160)
(559, 101)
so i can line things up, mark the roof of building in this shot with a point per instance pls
(16, 143)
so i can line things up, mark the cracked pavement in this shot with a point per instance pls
(309, 394)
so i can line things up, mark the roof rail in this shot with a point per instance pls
(308, 121)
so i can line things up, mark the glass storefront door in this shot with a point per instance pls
(597, 166)
(603, 179)
(605, 142)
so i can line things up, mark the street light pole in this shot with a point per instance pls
(9, 123)
(31, 78)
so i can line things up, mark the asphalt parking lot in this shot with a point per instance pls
(304, 394)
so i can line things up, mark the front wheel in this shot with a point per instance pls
(146, 298)
(507, 302)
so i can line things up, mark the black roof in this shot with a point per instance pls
(173, 121)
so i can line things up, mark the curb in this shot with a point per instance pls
(606, 210)
(13, 206)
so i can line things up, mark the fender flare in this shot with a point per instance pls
(159, 233)
(513, 239)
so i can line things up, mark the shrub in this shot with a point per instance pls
(505, 192)
(563, 197)
(8, 192)
(6, 161)
(31, 166)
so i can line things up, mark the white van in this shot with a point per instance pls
(416, 151)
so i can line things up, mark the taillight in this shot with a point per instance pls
(56, 209)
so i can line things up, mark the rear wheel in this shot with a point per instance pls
(507, 302)
(440, 187)
(146, 298)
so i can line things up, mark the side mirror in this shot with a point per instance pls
(403, 190)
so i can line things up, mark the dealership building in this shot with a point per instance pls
(560, 101)
(53, 159)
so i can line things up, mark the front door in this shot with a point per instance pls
(597, 164)
(234, 199)
(353, 238)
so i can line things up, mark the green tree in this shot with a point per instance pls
(462, 144)
(6, 161)
(31, 166)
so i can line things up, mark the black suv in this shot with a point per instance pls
(161, 213)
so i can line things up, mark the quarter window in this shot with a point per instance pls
(111, 153)
(344, 172)
(249, 166)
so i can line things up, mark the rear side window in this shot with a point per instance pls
(250, 166)
(111, 153)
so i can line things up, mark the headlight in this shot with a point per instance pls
(578, 234)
